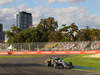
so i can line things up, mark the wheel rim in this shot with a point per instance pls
(54, 65)
(47, 64)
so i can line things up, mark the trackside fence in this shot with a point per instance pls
(83, 47)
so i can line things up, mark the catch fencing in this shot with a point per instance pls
(51, 46)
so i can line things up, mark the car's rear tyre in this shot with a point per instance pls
(70, 65)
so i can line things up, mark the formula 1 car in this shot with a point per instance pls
(58, 63)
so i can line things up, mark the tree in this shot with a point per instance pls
(71, 30)
(55, 37)
(48, 24)
(19, 38)
(36, 35)
(95, 34)
(47, 31)
(65, 37)
(11, 34)
(81, 35)
(15, 29)
(64, 29)
(68, 32)
(27, 35)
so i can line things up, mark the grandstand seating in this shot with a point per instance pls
(52, 46)
(64, 46)
(95, 45)
(80, 46)
(48, 46)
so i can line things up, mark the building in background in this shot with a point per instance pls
(3, 37)
(23, 20)
(1, 32)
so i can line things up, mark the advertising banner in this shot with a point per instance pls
(54, 52)
(3, 53)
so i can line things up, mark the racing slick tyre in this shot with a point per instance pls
(48, 64)
(70, 65)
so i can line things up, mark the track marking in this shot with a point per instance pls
(86, 70)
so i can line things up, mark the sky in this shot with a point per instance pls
(81, 12)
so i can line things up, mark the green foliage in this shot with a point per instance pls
(95, 35)
(65, 28)
(69, 31)
(48, 25)
(65, 37)
(81, 35)
(88, 34)
(46, 31)
(55, 37)
(15, 29)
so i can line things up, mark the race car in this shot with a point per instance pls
(56, 62)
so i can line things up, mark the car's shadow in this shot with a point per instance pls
(20, 65)
(18, 74)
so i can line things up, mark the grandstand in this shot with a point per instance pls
(81, 46)
(95, 45)
(64, 46)
(51, 46)
(48, 46)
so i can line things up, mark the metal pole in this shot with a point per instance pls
(37, 47)
(29, 47)
(21, 47)
(46, 46)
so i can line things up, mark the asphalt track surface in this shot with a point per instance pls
(34, 66)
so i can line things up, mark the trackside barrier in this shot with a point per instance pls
(49, 52)
(3, 53)
(55, 52)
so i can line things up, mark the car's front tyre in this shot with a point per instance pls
(48, 64)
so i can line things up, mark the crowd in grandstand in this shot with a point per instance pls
(59, 46)
(63, 46)
(81, 45)
(95, 45)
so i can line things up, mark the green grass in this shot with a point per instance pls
(85, 61)
(17, 56)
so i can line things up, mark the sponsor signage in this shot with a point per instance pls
(75, 52)
(49, 52)
(35, 52)
(3, 53)
(56, 52)
(45, 52)
(60, 52)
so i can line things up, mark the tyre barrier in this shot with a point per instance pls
(49, 52)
